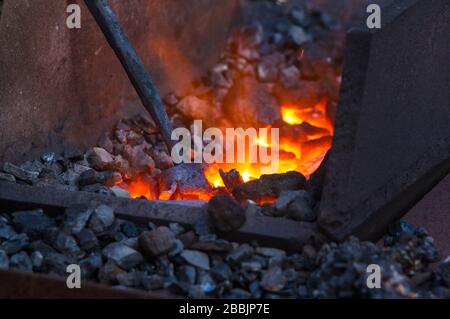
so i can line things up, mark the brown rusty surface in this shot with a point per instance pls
(269, 231)
(62, 88)
(23, 285)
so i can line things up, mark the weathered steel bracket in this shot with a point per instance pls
(392, 132)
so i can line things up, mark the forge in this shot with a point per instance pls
(174, 146)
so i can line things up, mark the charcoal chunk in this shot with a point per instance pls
(124, 256)
(196, 258)
(226, 214)
(33, 223)
(21, 261)
(273, 280)
(4, 260)
(269, 186)
(20, 173)
(102, 218)
(157, 242)
(76, 217)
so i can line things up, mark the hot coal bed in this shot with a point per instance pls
(285, 74)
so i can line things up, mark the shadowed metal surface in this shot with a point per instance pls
(392, 138)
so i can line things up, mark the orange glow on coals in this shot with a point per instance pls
(296, 153)
(139, 187)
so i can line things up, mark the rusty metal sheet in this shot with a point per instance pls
(23, 285)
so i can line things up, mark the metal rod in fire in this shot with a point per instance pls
(133, 65)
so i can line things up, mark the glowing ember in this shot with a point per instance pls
(139, 187)
(302, 155)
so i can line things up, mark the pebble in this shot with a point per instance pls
(273, 280)
(67, 245)
(124, 256)
(271, 252)
(221, 272)
(76, 217)
(187, 274)
(20, 173)
(21, 261)
(37, 259)
(157, 242)
(102, 218)
(120, 192)
(33, 223)
(196, 258)
(87, 240)
(15, 244)
(4, 260)
(301, 210)
(226, 213)
(240, 253)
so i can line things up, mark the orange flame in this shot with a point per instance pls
(139, 187)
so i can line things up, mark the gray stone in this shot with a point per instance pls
(301, 210)
(20, 173)
(7, 177)
(42, 247)
(90, 265)
(57, 263)
(196, 258)
(86, 239)
(238, 293)
(240, 253)
(100, 159)
(206, 282)
(221, 272)
(176, 229)
(15, 244)
(6, 231)
(76, 217)
(129, 229)
(301, 17)
(257, 106)
(48, 158)
(33, 223)
(97, 188)
(179, 247)
(120, 192)
(130, 279)
(218, 245)
(251, 265)
(152, 282)
(37, 259)
(270, 252)
(298, 35)
(124, 256)
(187, 274)
(21, 261)
(225, 213)
(67, 245)
(109, 272)
(157, 242)
(101, 219)
(288, 197)
(4, 260)
(273, 280)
